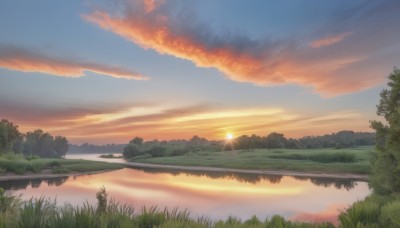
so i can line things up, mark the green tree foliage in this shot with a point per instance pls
(9, 134)
(276, 140)
(137, 141)
(43, 144)
(385, 178)
(60, 146)
(130, 151)
(157, 151)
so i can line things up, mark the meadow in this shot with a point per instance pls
(333, 161)
(18, 164)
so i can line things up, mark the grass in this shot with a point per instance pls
(41, 212)
(354, 160)
(19, 165)
(374, 211)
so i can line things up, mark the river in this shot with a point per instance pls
(213, 194)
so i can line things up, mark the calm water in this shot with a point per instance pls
(216, 195)
(96, 157)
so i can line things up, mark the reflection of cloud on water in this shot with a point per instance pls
(213, 194)
(328, 215)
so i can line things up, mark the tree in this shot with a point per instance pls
(43, 144)
(9, 134)
(157, 151)
(60, 146)
(137, 141)
(385, 177)
(130, 151)
(276, 140)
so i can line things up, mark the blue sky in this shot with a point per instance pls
(106, 71)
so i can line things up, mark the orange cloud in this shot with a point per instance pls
(241, 59)
(25, 60)
(150, 121)
(329, 40)
(150, 5)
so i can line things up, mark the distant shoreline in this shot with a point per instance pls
(32, 176)
(248, 171)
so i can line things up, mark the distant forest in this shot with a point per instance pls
(87, 148)
(341, 139)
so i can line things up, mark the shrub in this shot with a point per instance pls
(362, 213)
(390, 216)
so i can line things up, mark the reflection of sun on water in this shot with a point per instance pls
(229, 136)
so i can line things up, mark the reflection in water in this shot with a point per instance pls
(338, 183)
(213, 194)
(34, 183)
(241, 177)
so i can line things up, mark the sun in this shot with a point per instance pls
(229, 136)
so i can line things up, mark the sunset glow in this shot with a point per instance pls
(229, 136)
(166, 70)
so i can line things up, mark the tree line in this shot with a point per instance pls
(34, 143)
(87, 148)
(341, 139)
(139, 148)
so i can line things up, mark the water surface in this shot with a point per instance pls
(213, 194)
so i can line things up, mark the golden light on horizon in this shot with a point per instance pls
(229, 136)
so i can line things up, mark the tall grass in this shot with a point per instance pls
(41, 212)
(374, 211)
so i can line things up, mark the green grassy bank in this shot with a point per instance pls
(353, 160)
(15, 163)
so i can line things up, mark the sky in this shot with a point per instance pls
(107, 71)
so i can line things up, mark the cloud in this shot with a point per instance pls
(119, 123)
(150, 5)
(264, 61)
(27, 60)
(329, 40)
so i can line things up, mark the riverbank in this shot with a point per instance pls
(16, 167)
(45, 175)
(248, 171)
(337, 163)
